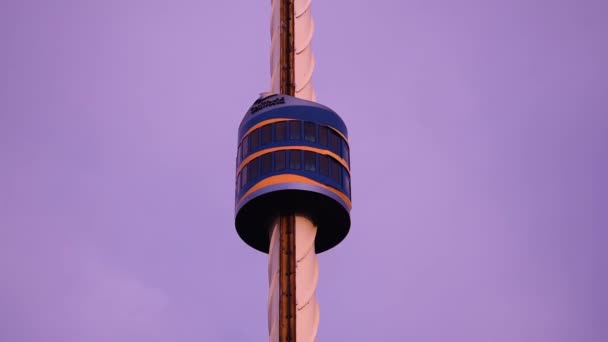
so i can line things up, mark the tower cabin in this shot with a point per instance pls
(293, 157)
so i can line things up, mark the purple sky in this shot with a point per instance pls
(479, 138)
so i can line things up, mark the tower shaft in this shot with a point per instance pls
(287, 47)
(287, 310)
(287, 231)
(293, 299)
(293, 173)
(281, 265)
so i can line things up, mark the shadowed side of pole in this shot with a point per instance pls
(287, 310)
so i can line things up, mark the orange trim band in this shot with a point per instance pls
(263, 123)
(291, 178)
(270, 121)
(339, 133)
(281, 148)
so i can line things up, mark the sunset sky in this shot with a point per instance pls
(479, 148)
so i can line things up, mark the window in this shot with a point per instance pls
(346, 180)
(253, 169)
(324, 165)
(334, 168)
(279, 160)
(255, 140)
(244, 176)
(245, 148)
(323, 135)
(334, 142)
(310, 131)
(295, 159)
(280, 131)
(266, 163)
(345, 152)
(310, 161)
(295, 130)
(266, 134)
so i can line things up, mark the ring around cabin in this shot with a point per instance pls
(293, 157)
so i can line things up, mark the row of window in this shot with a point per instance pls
(294, 160)
(293, 130)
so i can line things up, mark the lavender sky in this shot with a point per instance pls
(479, 139)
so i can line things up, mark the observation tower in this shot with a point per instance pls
(293, 185)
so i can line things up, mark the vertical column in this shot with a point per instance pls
(287, 278)
(304, 58)
(287, 49)
(282, 268)
(307, 265)
(293, 309)
(282, 280)
(307, 275)
(274, 294)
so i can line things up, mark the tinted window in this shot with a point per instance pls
(266, 134)
(334, 141)
(335, 170)
(295, 161)
(310, 131)
(323, 135)
(279, 160)
(244, 174)
(310, 161)
(345, 152)
(280, 131)
(255, 140)
(253, 169)
(295, 130)
(346, 180)
(245, 148)
(266, 163)
(324, 165)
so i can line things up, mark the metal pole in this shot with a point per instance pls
(287, 48)
(287, 310)
(287, 303)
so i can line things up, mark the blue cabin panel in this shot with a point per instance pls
(292, 156)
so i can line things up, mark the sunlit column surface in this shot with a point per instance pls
(307, 275)
(304, 59)
(307, 271)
